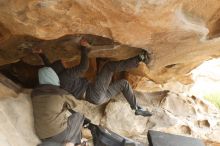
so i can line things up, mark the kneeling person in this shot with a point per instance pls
(53, 121)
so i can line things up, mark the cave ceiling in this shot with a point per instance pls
(179, 35)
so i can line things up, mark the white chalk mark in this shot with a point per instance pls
(198, 27)
(138, 7)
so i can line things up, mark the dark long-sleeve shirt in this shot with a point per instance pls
(70, 79)
(45, 59)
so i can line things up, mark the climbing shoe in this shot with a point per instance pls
(140, 111)
(86, 122)
(144, 57)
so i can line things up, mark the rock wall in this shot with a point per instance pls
(16, 116)
(174, 112)
(178, 34)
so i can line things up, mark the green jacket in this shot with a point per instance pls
(50, 110)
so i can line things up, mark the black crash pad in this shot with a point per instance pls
(157, 138)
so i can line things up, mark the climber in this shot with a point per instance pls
(100, 91)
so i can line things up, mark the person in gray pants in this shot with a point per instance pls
(102, 89)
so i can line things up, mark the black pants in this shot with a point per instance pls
(102, 89)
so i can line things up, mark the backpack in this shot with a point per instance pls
(104, 137)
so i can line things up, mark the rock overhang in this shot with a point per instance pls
(179, 35)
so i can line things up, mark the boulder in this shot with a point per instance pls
(16, 118)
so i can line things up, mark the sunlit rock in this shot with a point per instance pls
(179, 35)
(16, 120)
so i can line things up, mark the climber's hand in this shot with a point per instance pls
(37, 50)
(85, 43)
(69, 144)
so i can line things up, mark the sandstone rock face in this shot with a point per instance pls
(16, 117)
(16, 124)
(178, 34)
(175, 112)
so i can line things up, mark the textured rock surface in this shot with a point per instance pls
(176, 113)
(178, 34)
(16, 117)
